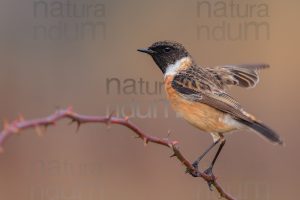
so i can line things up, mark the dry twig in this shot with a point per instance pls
(21, 124)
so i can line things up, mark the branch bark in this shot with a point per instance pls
(21, 124)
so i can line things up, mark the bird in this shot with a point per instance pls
(199, 95)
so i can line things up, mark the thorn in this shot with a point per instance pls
(108, 122)
(111, 115)
(10, 127)
(174, 143)
(221, 195)
(146, 141)
(38, 131)
(173, 155)
(169, 133)
(72, 121)
(78, 126)
(136, 137)
(126, 118)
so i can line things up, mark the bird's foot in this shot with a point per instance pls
(209, 172)
(195, 164)
(194, 173)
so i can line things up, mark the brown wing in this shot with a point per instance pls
(196, 84)
(245, 75)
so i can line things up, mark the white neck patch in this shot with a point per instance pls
(173, 68)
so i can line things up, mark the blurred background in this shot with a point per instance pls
(56, 53)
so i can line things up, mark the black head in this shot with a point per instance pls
(165, 53)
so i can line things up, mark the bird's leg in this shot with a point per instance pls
(208, 171)
(196, 162)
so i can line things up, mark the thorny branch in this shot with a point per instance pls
(21, 124)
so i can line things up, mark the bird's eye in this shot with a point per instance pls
(167, 49)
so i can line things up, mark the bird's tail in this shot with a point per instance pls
(265, 131)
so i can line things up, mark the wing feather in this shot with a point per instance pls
(245, 75)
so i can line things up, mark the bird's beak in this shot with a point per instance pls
(147, 51)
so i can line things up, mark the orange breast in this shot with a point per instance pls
(200, 115)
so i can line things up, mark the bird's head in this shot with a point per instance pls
(166, 53)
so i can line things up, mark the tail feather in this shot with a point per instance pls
(264, 131)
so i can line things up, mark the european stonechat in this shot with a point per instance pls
(198, 94)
